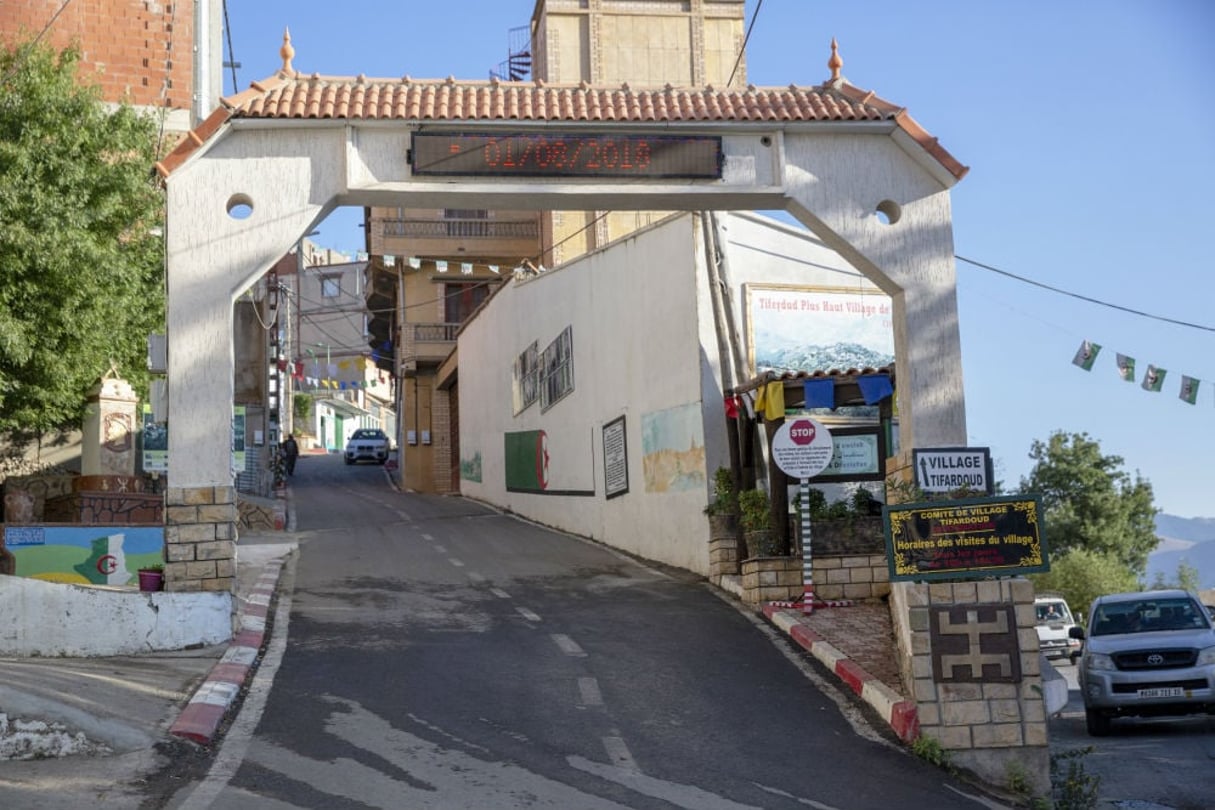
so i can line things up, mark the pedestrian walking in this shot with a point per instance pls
(291, 451)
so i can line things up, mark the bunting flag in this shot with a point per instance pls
(415, 263)
(1189, 389)
(1126, 368)
(1153, 379)
(493, 268)
(761, 400)
(441, 266)
(776, 401)
(466, 268)
(874, 387)
(1086, 354)
(390, 261)
(731, 406)
(820, 393)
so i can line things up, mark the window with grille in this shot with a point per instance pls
(557, 369)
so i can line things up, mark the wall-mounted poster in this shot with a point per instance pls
(795, 328)
(615, 458)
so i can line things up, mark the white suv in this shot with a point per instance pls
(367, 444)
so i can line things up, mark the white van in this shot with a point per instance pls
(1054, 622)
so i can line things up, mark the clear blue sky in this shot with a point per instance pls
(1089, 128)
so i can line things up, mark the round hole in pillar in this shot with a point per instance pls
(889, 212)
(240, 206)
(766, 140)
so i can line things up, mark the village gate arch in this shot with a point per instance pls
(855, 170)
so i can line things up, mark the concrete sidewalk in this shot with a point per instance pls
(77, 732)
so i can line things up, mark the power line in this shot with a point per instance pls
(1090, 300)
(746, 39)
(20, 60)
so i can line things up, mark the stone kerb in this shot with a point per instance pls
(989, 721)
(200, 538)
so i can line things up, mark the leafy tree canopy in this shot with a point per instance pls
(1090, 502)
(1082, 575)
(81, 271)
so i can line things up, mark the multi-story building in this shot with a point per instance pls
(163, 57)
(445, 262)
(326, 335)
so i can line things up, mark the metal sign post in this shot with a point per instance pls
(803, 448)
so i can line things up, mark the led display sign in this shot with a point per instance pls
(566, 155)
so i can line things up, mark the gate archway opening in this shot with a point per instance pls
(277, 159)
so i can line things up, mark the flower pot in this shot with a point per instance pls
(151, 581)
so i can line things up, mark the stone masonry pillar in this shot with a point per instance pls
(200, 538)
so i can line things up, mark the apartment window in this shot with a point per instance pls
(526, 376)
(461, 299)
(331, 286)
(557, 369)
(465, 213)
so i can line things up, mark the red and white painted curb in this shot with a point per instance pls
(200, 719)
(896, 710)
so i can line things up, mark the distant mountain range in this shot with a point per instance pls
(1189, 540)
(812, 357)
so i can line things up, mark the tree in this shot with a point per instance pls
(83, 271)
(1090, 503)
(1082, 575)
(1188, 579)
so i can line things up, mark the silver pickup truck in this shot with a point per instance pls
(1147, 653)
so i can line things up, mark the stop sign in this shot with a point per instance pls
(802, 448)
(802, 431)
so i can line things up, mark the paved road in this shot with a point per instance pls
(441, 655)
(1146, 763)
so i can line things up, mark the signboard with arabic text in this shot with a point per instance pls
(965, 539)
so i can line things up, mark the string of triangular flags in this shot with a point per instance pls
(466, 268)
(1153, 375)
(323, 376)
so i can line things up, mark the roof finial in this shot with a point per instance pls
(835, 63)
(287, 52)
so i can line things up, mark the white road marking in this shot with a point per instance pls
(426, 536)
(568, 645)
(440, 549)
(473, 576)
(619, 754)
(588, 692)
(498, 592)
(787, 795)
(530, 615)
(455, 562)
(689, 797)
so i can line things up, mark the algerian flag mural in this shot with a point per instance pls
(85, 555)
(549, 462)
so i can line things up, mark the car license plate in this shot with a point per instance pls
(1166, 692)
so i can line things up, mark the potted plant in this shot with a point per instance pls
(755, 514)
(725, 500)
(151, 577)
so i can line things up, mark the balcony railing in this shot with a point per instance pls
(434, 332)
(461, 229)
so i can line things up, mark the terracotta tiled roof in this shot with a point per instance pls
(294, 96)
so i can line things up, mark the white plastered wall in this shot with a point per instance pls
(644, 342)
